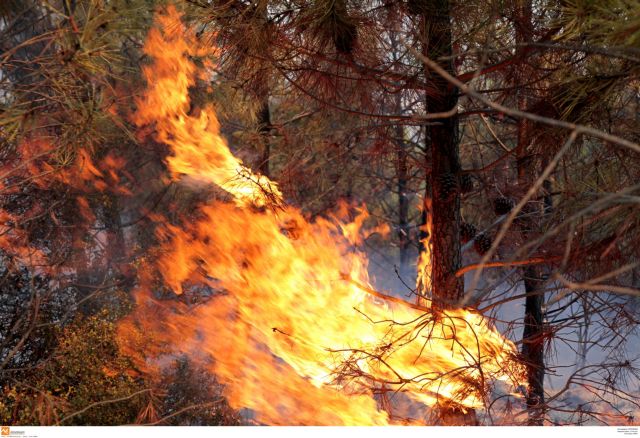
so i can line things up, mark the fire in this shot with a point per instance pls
(293, 328)
(198, 149)
(425, 265)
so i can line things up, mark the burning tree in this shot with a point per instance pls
(171, 186)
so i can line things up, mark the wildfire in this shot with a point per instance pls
(292, 330)
(198, 150)
(423, 281)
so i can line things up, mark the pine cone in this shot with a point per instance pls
(482, 244)
(502, 205)
(467, 232)
(466, 183)
(448, 186)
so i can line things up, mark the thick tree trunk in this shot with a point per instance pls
(532, 336)
(442, 140)
(533, 344)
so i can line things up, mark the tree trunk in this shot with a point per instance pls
(442, 140)
(402, 174)
(532, 277)
(533, 344)
(264, 128)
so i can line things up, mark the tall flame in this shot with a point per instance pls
(425, 264)
(198, 149)
(295, 331)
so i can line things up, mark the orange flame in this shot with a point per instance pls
(295, 332)
(198, 149)
(425, 264)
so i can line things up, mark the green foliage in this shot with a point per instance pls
(608, 23)
(85, 369)
(75, 61)
(194, 397)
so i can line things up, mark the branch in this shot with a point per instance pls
(382, 296)
(502, 263)
(578, 129)
(103, 402)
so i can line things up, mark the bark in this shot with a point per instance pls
(442, 139)
(262, 91)
(533, 344)
(264, 129)
(532, 336)
(402, 172)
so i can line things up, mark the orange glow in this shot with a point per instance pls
(80, 173)
(425, 264)
(289, 330)
(15, 242)
(198, 150)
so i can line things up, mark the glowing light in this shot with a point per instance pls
(290, 332)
